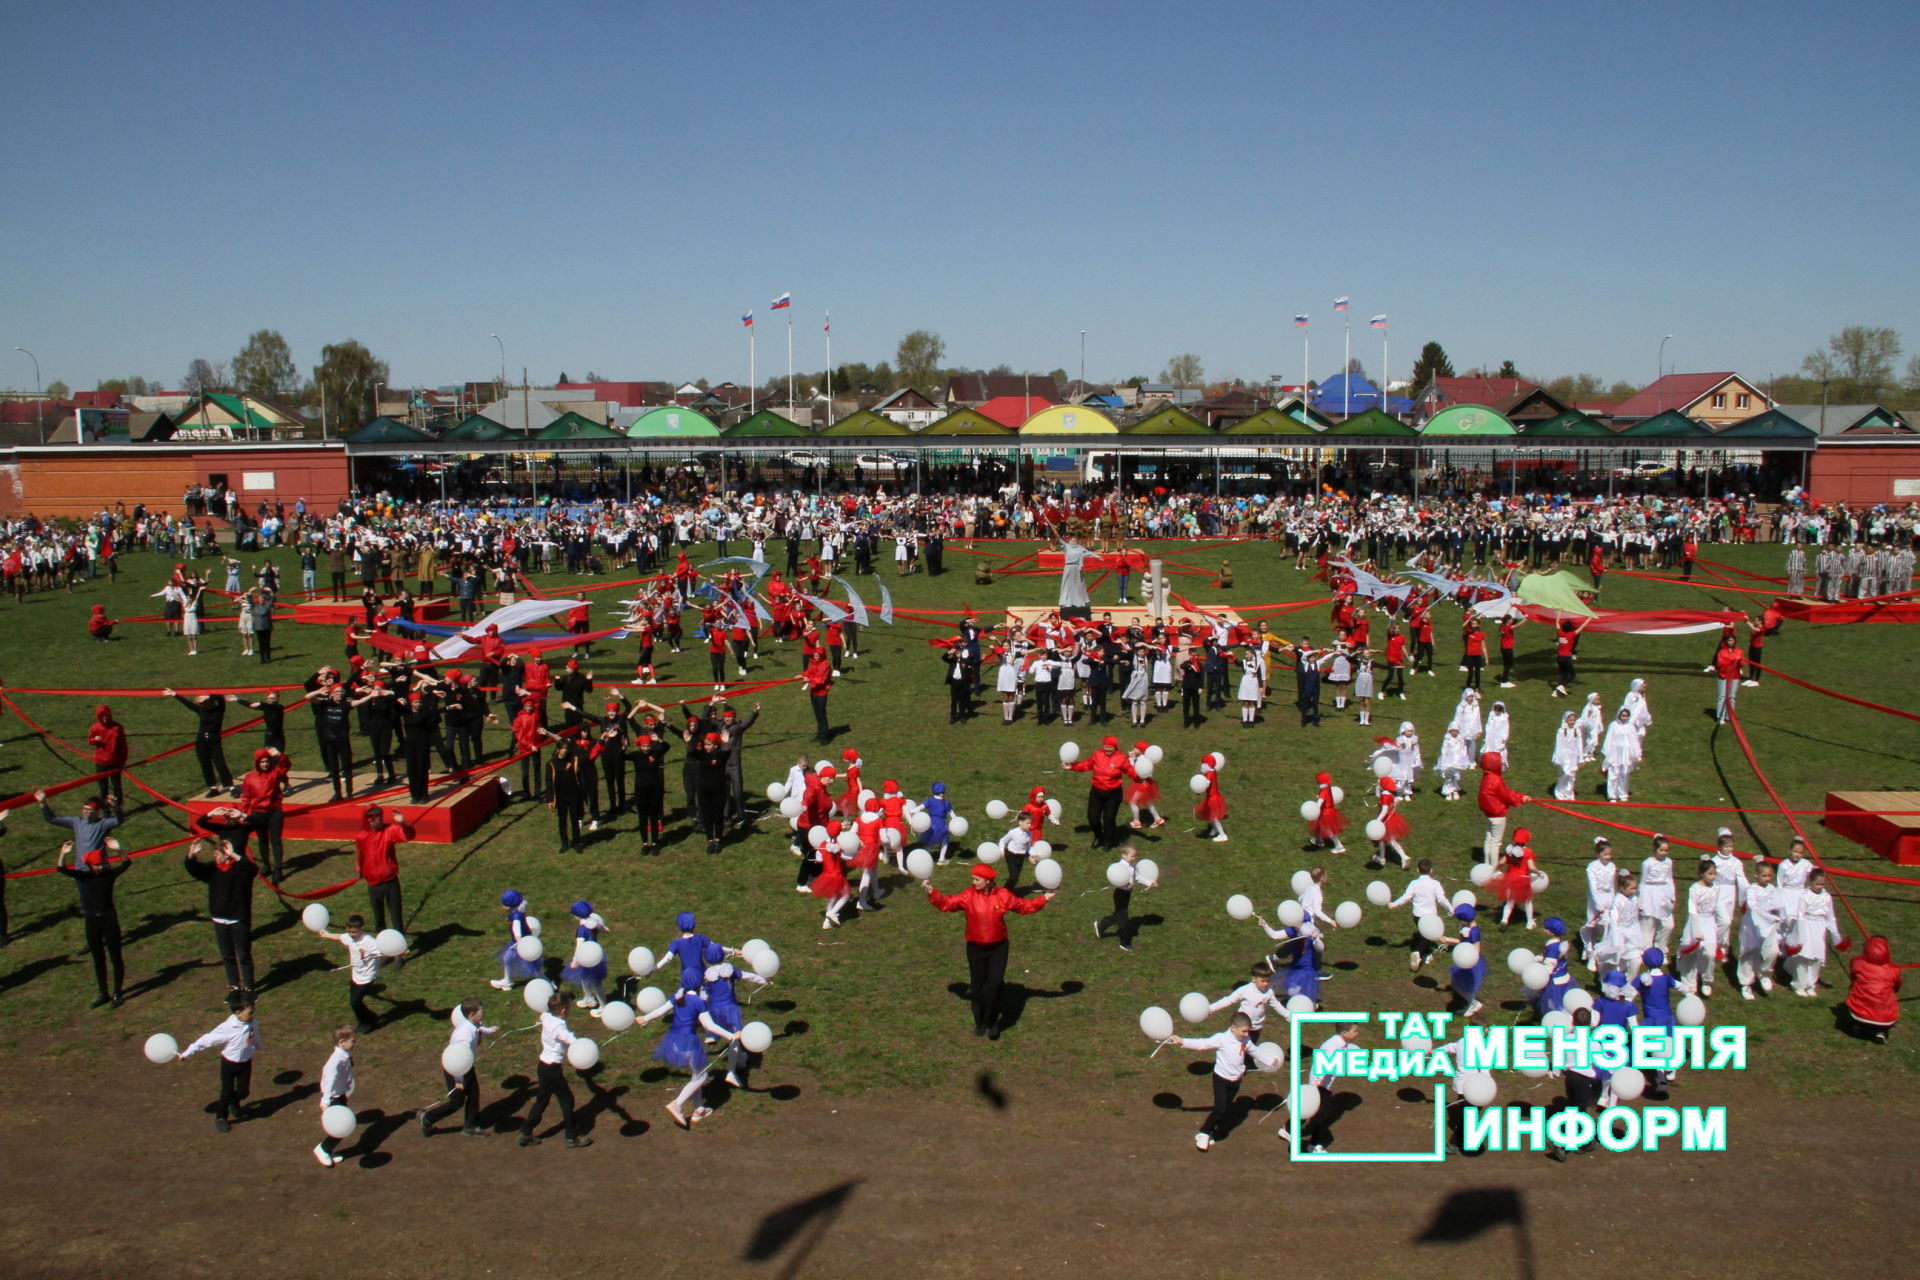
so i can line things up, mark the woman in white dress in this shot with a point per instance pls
(1466, 718)
(1363, 685)
(1699, 945)
(1066, 682)
(1656, 896)
(1163, 675)
(1621, 754)
(1592, 723)
(245, 624)
(1808, 935)
(191, 593)
(1138, 690)
(1007, 680)
(1455, 756)
(1568, 752)
(1499, 732)
(1635, 704)
(1250, 665)
(1791, 881)
(1409, 762)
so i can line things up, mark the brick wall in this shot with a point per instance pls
(79, 482)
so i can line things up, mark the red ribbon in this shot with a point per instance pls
(1858, 702)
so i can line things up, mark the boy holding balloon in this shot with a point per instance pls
(1231, 1049)
(463, 1087)
(364, 954)
(238, 1039)
(336, 1086)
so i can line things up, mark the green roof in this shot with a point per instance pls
(670, 421)
(1671, 425)
(1568, 424)
(1170, 421)
(865, 422)
(571, 426)
(1771, 425)
(477, 429)
(1273, 422)
(385, 430)
(767, 425)
(1371, 423)
(967, 422)
(1467, 420)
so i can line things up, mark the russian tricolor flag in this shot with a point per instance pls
(1378, 322)
(784, 300)
(747, 320)
(1300, 322)
(1340, 303)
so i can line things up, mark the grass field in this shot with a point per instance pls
(876, 1005)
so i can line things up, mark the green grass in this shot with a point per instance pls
(869, 1004)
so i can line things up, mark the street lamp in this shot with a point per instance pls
(503, 364)
(1083, 362)
(1660, 368)
(376, 398)
(39, 409)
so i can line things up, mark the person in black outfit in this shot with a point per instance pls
(609, 746)
(567, 781)
(959, 685)
(94, 877)
(707, 759)
(229, 879)
(1306, 684)
(573, 686)
(649, 757)
(1099, 680)
(207, 748)
(736, 731)
(936, 546)
(420, 719)
(333, 731)
(1216, 667)
(1193, 677)
(273, 720)
(379, 717)
(465, 712)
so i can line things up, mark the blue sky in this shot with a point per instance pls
(610, 186)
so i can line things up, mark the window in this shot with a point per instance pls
(1719, 399)
(1743, 402)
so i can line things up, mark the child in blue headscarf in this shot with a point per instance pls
(938, 809)
(1467, 982)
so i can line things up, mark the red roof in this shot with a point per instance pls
(1487, 391)
(626, 393)
(1674, 391)
(94, 399)
(28, 411)
(1013, 411)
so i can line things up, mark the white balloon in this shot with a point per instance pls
(1268, 1056)
(1310, 811)
(1466, 955)
(315, 916)
(1041, 850)
(618, 1015)
(1480, 873)
(766, 963)
(1197, 783)
(791, 807)
(161, 1047)
(1119, 874)
(1540, 882)
(1291, 914)
(751, 948)
(1347, 915)
(988, 852)
(533, 925)
(920, 823)
(1376, 830)
(530, 949)
(1300, 1004)
(1154, 753)
(1301, 881)
(588, 953)
(776, 791)
(1194, 1007)
(391, 942)
(1465, 898)
(1536, 976)
(920, 864)
(1240, 907)
(649, 999)
(1479, 1089)
(1339, 797)
(1576, 999)
(1431, 928)
(1305, 1101)
(1069, 752)
(889, 838)
(821, 766)
(1143, 768)
(456, 1060)
(338, 1121)
(1519, 958)
(1047, 873)
(1378, 893)
(1556, 1018)
(1382, 766)
(996, 809)
(1691, 1012)
(641, 961)
(957, 827)
(583, 1054)
(1533, 1073)
(1146, 871)
(849, 842)
(536, 994)
(816, 835)
(1156, 1022)
(1054, 810)
(1629, 1083)
(860, 801)
(1416, 1044)
(756, 1037)
(1218, 758)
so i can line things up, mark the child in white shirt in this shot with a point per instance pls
(1429, 898)
(238, 1039)
(336, 1086)
(1230, 1053)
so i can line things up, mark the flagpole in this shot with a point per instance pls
(1384, 378)
(753, 388)
(1346, 385)
(829, 327)
(789, 362)
(1306, 362)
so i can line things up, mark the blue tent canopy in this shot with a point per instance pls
(1335, 396)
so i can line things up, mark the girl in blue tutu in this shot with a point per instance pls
(512, 968)
(1297, 951)
(724, 1007)
(1467, 982)
(938, 810)
(684, 1047)
(587, 927)
(1554, 955)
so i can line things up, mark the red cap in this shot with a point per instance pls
(1522, 836)
(982, 871)
(1323, 778)
(1109, 743)
(1139, 746)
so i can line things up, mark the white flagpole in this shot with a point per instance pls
(829, 329)
(1306, 361)
(1346, 386)
(1384, 377)
(753, 388)
(789, 362)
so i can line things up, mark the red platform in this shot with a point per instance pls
(342, 612)
(1057, 560)
(454, 810)
(1867, 818)
(1801, 609)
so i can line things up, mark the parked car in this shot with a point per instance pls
(1642, 470)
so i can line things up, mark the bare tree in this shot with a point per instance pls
(1183, 371)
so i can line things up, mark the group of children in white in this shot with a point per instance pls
(703, 1010)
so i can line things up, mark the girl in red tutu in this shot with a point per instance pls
(1034, 814)
(1212, 808)
(830, 882)
(1516, 877)
(847, 803)
(1328, 824)
(1143, 795)
(1396, 826)
(867, 827)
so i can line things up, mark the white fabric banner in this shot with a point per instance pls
(515, 615)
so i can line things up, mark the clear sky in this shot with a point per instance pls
(609, 186)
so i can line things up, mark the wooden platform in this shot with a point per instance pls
(1804, 609)
(1869, 818)
(1123, 615)
(342, 612)
(454, 810)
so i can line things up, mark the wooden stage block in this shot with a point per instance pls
(1872, 818)
(453, 809)
(341, 612)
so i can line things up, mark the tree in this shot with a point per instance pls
(917, 359)
(1912, 382)
(1569, 387)
(594, 377)
(1357, 369)
(1059, 377)
(1184, 370)
(1433, 363)
(345, 377)
(1507, 370)
(56, 390)
(264, 368)
(1858, 360)
(203, 377)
